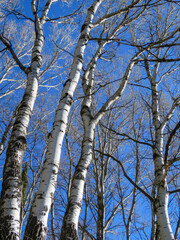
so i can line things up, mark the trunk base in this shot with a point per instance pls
(35, 230)
(5, 232)
(68, 232)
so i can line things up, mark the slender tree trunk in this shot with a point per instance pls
(11, 194)
(70, 221)
(71, 218)
(101, 212)
(128, 226)
(161, 200)
(154, 230)
(43, 198)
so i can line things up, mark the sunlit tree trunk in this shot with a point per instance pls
(70, 221)
(11, 194)
(11, 188)
(161, 200)
(43, 198)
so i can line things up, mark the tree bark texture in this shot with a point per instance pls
(101, 212)
(43, 197)
(70, 221)
(161, 200)
(11, 194)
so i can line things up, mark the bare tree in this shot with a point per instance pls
(11, 193)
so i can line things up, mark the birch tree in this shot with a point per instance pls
(161, 199)
(161, 194)
(107, 174)
(41, 206)
(70, 222)
(42, 202)
(11, 193)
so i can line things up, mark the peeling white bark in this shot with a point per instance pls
(43, 198)
(10, 204)
(70, 221)
(162, 196)
(11, 194)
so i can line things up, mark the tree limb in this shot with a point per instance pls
(169, 141)
(175, 104)
(125, 174)
(125, 135)
(8, 45)
(174, 191)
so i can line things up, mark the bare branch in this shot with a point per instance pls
(7, 130)
(67, 16)
(174, 191)
(175, 104)
(160, 60)
(8, 45)
(126, 135)
(173, 160)
(125, 174)
(46, 10)
(167, 148)
(110, 15)
(177, 229)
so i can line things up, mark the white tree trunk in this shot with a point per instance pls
(161, 200)
(10, 204)
(71, 218)
(11, 194)
(43, 198)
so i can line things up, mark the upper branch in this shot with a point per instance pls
(46, 10)
(110, 15)
(166, 162)
(174, 191)
(119, 91)
(130, 138)
(175, 104)
(125, 174)
(169, 141)
(8, 45)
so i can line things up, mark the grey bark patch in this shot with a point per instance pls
(69, 80)
(83, 27)
(79, 175)
(85, 37)
(21, 143)
(68, 231)
(6, 233)
(45, 208)
(35, 229)
(80, 57)
(91, 9)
